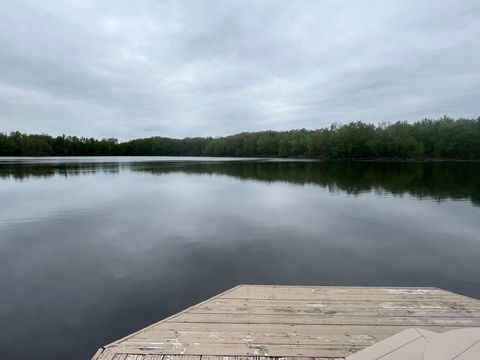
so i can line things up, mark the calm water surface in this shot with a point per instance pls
(92, 249)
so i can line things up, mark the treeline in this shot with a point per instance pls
(444, 138)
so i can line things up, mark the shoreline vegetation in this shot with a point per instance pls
(440, 139)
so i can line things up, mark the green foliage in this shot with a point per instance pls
(443, 138)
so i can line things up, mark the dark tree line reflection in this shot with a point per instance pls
(436, 180)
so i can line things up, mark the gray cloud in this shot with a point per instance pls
(185, 68)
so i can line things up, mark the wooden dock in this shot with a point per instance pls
(294, 321)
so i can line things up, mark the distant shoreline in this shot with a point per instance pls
(433, 140)
(238, 158)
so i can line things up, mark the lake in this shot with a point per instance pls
(92, 249)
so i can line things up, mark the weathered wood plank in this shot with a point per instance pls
(287, 329)
(247, 350)
(119, 357)
(132, 356)
(317, 319)
(264, 333)
(410, 303)
(337, 289)
(320, 309)
(339, 294)
(264, 338)
(154, 357)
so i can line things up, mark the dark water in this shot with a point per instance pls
(93, 249)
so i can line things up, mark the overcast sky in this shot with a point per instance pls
(141, 68)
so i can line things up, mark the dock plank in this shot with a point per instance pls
(328, 319)
(294, 322)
